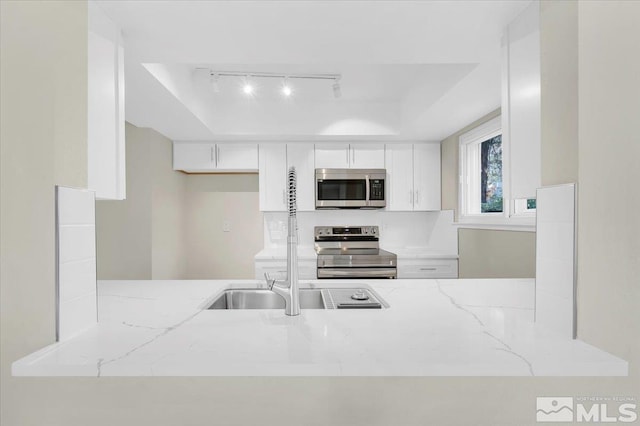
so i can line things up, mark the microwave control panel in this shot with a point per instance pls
(376, 189)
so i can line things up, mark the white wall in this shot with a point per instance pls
(429, 230)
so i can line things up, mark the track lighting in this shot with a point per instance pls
(286, 88)
(214, 83)
(249, 89)
(337, 91)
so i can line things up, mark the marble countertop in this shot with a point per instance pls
(432, 328)
(308, 253)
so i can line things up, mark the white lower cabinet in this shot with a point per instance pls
(277, 269)
(427, 268)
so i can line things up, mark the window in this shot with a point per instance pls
(483, 177)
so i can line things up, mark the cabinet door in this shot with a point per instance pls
(272, 177)
(426, 176)
(399, 165)
(521, 130)
(301, 156)
(193, 156)
(367, 156)
(105, 107)
(236, 156)
(332, 156)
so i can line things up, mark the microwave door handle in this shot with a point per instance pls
(367, 190)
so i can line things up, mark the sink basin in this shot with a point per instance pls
(264, 299)
(310, 298)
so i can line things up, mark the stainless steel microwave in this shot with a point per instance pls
(350, 188)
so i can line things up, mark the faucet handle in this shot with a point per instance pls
(269, 280)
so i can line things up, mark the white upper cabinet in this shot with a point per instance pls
(345, 155)
(236, 156)
(521, 128)
(105, 107)
(275, 161)
(366, 156)
(209, 157)
(413, 177)
(426, 177)
(399, 165)
(193, 156)
(272, 177)
(301, 156)
(332, 156)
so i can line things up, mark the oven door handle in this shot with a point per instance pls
(357, 272)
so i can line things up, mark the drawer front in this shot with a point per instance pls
(444, 268)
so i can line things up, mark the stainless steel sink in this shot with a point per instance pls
(310, 298)
(264, 299)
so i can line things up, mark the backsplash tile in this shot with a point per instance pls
(76, 261)
(555, 259)
(430, 230)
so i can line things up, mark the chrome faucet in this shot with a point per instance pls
(289, 290)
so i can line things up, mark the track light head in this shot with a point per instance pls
(214, 83)
(248, 88)
(287, 91)
(337, 91)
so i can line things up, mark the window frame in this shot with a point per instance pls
(512, 216)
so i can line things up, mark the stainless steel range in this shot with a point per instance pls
(352, 252)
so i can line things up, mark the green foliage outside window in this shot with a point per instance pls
(491, 175)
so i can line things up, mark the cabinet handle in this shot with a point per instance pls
(347, 156)
(353, 155)
(417, 196)
(428, 269)
(211, 152)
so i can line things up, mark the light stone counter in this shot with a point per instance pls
(432, 328)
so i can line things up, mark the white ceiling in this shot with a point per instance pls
(410, 69)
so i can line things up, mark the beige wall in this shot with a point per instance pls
(609, 253)
(123, 228)
(144, 236)
(484, 253)
(43, 132)
(212, 201)
(496, 254)
(559, 92)
(609, 178)
(171, 224)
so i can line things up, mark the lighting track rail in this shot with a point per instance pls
(249, 89)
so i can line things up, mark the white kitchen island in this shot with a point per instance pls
(432, 328)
